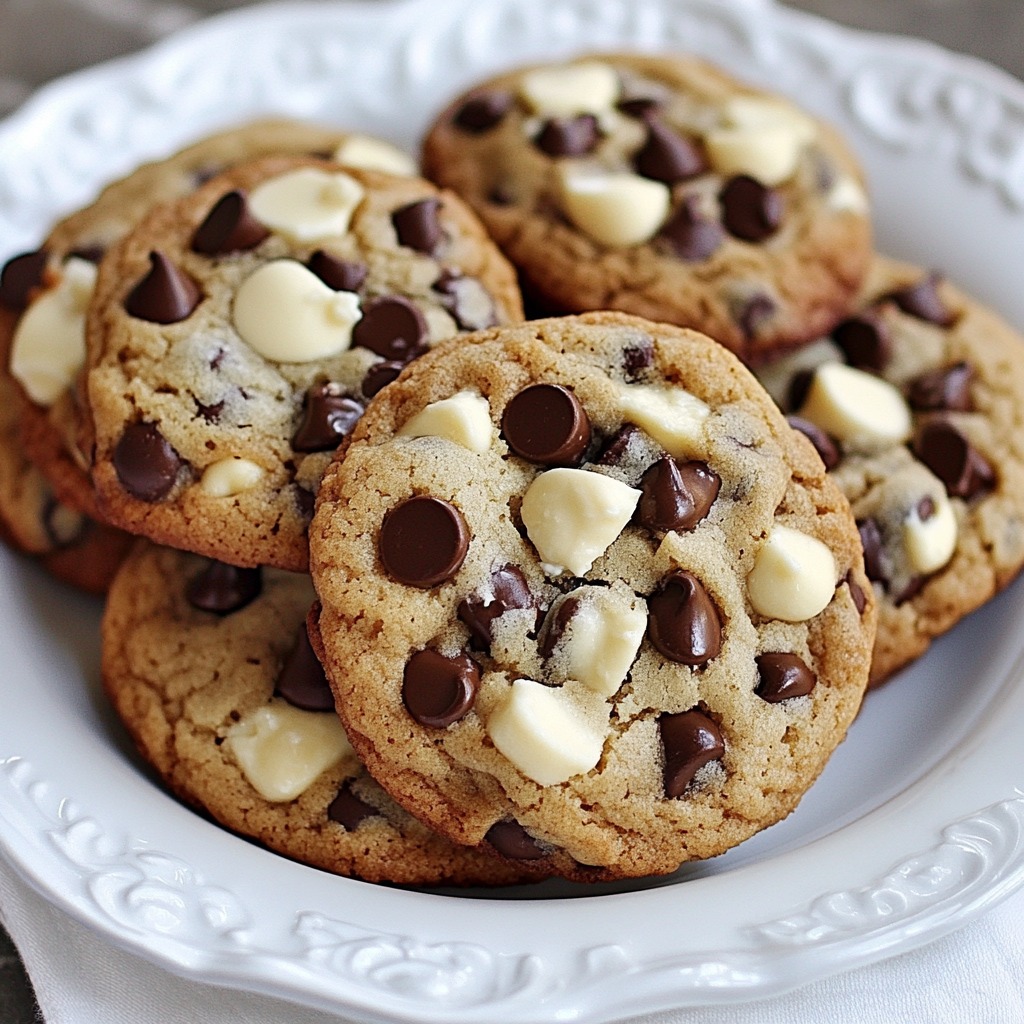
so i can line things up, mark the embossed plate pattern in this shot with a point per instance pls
(917, 824)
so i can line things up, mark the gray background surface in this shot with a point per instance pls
(40, 39)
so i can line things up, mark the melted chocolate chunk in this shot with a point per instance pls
(922, 300)
(21, 276)
(557, 623)
(947, 389)
(328, 415)
(545, 423)
(221, 588)
(865, 341)
(341, 275)
(508, 589)
(689, 740)
(750, 211)
(511, 840)
(229, 227)
(348, 810)
(782, 676)
(683, 622)
(668, 156)
(380, 375)
(438, 690)
(302, 682)
(965, 472)
(692, 236)
(166, 295)
(393, 328)
(418, 226)
(466, 299)
(826, 448)
(874, 557)
(145, 461)
(637, 358)
(484, 111)
(676, 495)
(423, 541)
(568, 136)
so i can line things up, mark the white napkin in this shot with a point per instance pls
(976, 975)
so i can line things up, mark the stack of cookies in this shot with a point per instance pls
(412, 588)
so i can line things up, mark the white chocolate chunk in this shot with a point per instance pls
(465, 418)
(864, 412)
(760, 137)
(374, 155)
(794, 576)
(288, 315)
(671, 415)
(308, 204)
(602, 638)
(282, 750)
(847, 196)
(573, 516)
(930, 542)
(230, 476)
(589, 87)
(544, 733)
(614, 209)
(48, 347)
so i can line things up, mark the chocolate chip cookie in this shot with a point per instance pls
(661, 186)
(915, 403)
(211, 670)
(236, 336)
(587, 599)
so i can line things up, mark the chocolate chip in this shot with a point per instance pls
(640, 107)
(165, 295)
(692, 236)
(417, 225)
(615, 451)
(145, 461)
(545, 423)
(483, 111)
(393, 327)
(341, 275)
(302, 682)
(507, 588)
(750, 211)
(826, 448)
(90, 253)
(874, 552)
(568, 136)
(21, 276)
(683, 622)
(221, 588)
(857, 595)
(953, 459)
(423, 541)
(799, 386)
(229, 227)
(922, 300)
(676, 495)
(348, 810)
(689, 740)
(781, 676)
(305, 502)
(557, 623)
(438, 690)
(328, 415)
(637, 358)
(754, 313)
(467, 300)
(865, 341)
(912, 589)
(947, 388)
(379, 376)
(668, 156)
(211, 413)
(511, 840)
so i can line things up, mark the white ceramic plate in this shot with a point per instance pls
(917, 824)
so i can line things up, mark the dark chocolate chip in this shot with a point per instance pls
(423, 541)
(229, 227)
(348, 810)
(305, 502)
(857, 595)
(393, 327)
(145, 461)
(438, 690)
(557, 623)
(865, 341)
(511, 840)
(947, 389)
(922, 300)
(689, 740)
(378, 376)
(668, 156)
(874, 552)
(640, 107)
(418, 226)
(468, 301)
(953, 459)
(165, 295)
(799, 386)
(328, 415)
(545, 423)
(507, 589)
(683, 622)
(692, 236)
(750, 211)
(21, 276)
(637, 358)
(483, 111)
(754, 313)
(221, 588)
(341, 275)
(912, 589)
(676, 495)
(568, 136)
(826, 448)
(210, 413)
(781, 676)
(302, 682)
(614, 452)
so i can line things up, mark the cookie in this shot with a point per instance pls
(661, 186)
(211, 671)
(235, 337)
(915, 402)
(584, 587)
